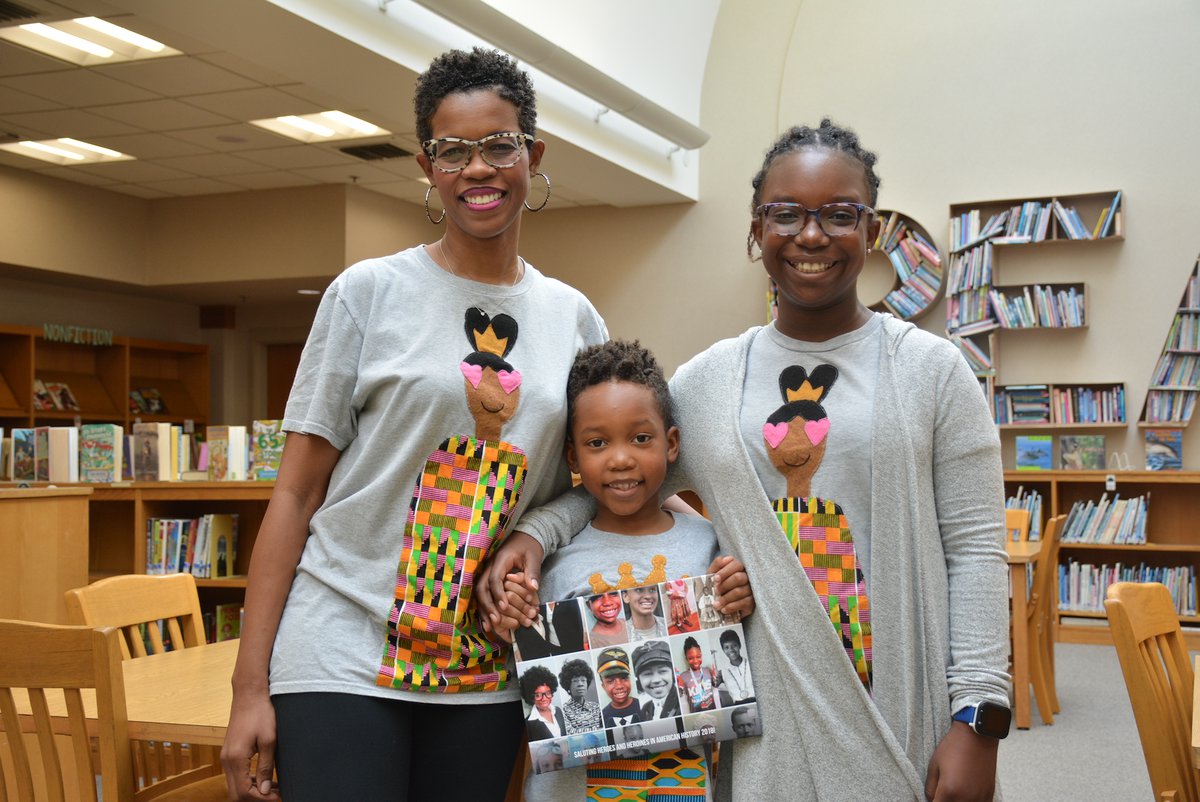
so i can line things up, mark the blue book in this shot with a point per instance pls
(1034, 452)
(1164, 449)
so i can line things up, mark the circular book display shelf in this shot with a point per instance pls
(916, 265)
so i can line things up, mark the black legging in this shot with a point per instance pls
(340, 747)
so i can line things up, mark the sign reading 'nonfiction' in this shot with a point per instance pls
(78, 335)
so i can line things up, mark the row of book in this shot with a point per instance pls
(970, 269)
(1088, 404)
(969, 313)
(979, 360)
(918, 292)
(1029, 222)
(1185, 333)
(1039, 307)
(1176, 370)
(205, 547)
(1082, 586)
(104, 453)
(1022, 403)
(1191, 294)
(1029, 500)
(1170, 406)
(1086, 452)
(1121, 520)
(917, 263)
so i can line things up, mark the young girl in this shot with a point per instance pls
(430, 387)
(885, 448)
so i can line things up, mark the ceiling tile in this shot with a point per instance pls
(254, 104)
(149, 146)
(67, 122)
(192, 186)
(177, 76)
(139, 191)
(78, 87)
(160, 115)
(17, 60)
(247, 69)
(78, 176)
(14, 102)
(360, 173)
(299, 156)
(275, 179)
(133, 171)
(214, 164)
(409, 191)
(242, 136)
(406, 167)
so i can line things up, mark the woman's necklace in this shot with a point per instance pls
(518, 269)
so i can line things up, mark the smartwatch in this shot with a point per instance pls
(987, 718)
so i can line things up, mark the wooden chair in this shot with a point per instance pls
(44, 657)
(1016, 524)
(137, 604)
(1158, 676)
(1043, 600)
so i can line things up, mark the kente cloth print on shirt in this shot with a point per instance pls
(460, 506)
(817, 529)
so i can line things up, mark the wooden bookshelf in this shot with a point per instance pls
(1058, 398)
(100, 377)
(1175, 383)
(1172, 538)
(916, 263)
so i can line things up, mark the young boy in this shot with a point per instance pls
(620, 441)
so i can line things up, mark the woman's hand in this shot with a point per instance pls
(251, 732)
(518, 554)
(963, 767)
(734, 596)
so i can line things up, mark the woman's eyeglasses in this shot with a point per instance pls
(543, 695)
(451, 154)
(835, 219)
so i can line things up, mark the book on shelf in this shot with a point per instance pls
(1081, 452)
(1033, 452)
(101, 452)
(152, 452)
(42, 400)
(1082, 586)
(61, 395)
(152, 401)
(1110, 214)
(695, 706)
(5, 457)
(1117, 520)
(220, 546)
(228, 621)
(266, 449)
(64, 454)
(1164, 449)
(1031, 501)
(227, 452)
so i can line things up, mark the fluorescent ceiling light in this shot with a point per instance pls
(325, 126)
(86, 41)
(535, 50)
(65, 151)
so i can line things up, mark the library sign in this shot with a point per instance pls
(76, 335)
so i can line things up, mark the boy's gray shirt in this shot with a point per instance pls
(938, 529)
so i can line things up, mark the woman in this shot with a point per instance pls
(582, 714)
(544, 720)
(431, 385)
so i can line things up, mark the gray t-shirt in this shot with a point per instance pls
(844, 473)
(686, 549)
(404, 369)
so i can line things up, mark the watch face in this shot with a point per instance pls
(993, 720)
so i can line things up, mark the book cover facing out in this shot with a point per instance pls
(591, 696)
(1164, 449)
(1081, 452)
(1033, 452)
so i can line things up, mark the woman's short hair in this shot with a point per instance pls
(534, 678)
(463, 71)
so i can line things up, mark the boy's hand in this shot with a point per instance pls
(734, 596)
(520, 554)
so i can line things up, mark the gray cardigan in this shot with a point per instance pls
(939, 587)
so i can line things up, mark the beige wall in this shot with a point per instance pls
(961, 101)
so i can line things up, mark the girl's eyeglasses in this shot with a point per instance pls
(835, 219)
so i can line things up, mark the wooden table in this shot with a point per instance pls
(182, 696)
(1021, 555)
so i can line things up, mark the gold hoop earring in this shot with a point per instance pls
(428, 216)
(545, 178)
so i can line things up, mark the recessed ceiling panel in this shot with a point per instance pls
(68, 122)
(78, 87)
(160, 115)
(176, 77)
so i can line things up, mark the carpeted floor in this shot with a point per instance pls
(1092, 751)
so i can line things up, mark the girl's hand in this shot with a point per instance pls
(518, 597)
(251, 732)
(734, 596)
(519, 554)
(963, 767)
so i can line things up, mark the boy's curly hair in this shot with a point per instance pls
(460, 71)
(617, 360)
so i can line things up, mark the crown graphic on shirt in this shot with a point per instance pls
(625, 578)
(489, 343)
(805, 392)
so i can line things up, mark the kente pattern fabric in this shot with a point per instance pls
(677, 774)
(460, 508)
(818, 532)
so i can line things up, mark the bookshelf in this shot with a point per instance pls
(1172, 540)
(1059, 406)
(916, 263)
(1175, 383)
(100, 377)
